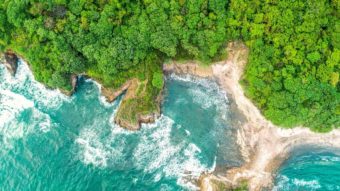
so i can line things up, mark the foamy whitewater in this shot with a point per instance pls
(310, 168)
(54, 142)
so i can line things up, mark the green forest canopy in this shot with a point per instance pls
(293, 70)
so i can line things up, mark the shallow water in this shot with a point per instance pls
(52, 142)
(310, 168)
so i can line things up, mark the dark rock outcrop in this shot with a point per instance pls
(74, 82)
(11, 62)
(147, 118)
(150, 118)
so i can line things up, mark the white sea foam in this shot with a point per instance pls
(207, 83)
(99, 150)
(12, 108)
(209, 97)
(156, 152)
(330, 158)
(282, 184)
(285, 183)
(184, 78)
(187, 132)
(155, 147)
(311, 184)
(101, 98)
(25, 84)
(93, 150)
(23, 97)
(205, 93)
(11, 105)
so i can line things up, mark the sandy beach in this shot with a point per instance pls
(263, 145)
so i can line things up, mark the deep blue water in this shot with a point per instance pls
(310, 168)
(52, 142)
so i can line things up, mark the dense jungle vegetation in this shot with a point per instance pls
(294, 63)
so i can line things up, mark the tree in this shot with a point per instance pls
(157, 80)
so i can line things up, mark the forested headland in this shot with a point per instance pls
(294, 62)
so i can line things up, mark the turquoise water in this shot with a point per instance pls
(52, 142)
(310, 168)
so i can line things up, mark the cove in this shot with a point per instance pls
(310, 168)
(51, 141)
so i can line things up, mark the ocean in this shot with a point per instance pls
(310, 168)
(49, 141)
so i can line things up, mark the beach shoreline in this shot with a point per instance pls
(264, 146)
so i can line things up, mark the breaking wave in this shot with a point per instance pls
(206, 93)
(284, 183)
(154, 151)
(23, 103)
(310, 168)
(23, 83)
